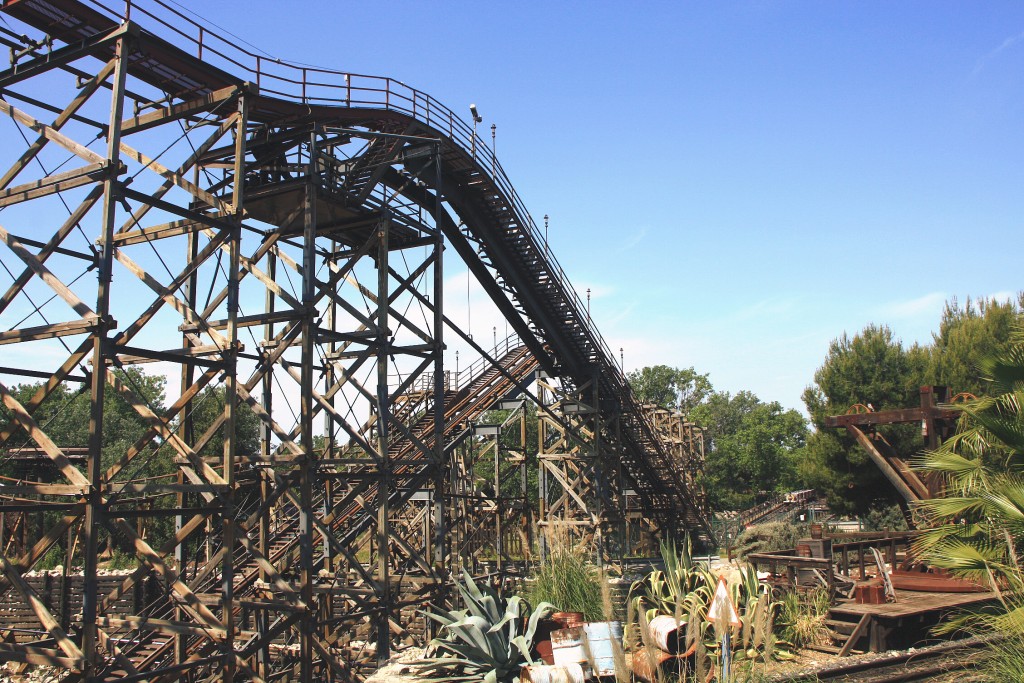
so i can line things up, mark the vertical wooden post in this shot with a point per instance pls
(94, 500)
(383, 408)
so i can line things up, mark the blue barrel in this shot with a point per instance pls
(604, 643)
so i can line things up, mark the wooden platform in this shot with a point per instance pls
(914, 603)
(906, 622)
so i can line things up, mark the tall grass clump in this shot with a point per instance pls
(802, 617)
(571, 582)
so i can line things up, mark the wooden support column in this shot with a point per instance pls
(307, 467)
(94, 510)
(383, 409)
(230, 356)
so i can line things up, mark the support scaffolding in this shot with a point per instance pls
(272, 244)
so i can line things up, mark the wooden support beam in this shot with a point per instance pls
(163, 115)
(84, 326)
(880, 461)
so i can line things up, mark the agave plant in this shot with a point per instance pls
(674, 590)
(685, 591)
(489, 641)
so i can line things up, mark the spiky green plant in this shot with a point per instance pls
(802, 617)
(685, 590)
(977, 527)
(489, 641)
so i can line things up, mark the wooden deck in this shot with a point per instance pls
(906, 622)
(914, 603)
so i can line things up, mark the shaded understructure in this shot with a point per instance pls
(275, 235)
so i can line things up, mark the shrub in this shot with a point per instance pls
(767, 538)
(802, 617)
(570, 582)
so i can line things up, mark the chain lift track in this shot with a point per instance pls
(287, 224)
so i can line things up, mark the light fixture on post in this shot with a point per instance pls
(476, 119)
(494, 157)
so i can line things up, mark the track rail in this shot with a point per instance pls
(918, 665)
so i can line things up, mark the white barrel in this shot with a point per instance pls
(545, 673)
(567, 647)
(665, 633)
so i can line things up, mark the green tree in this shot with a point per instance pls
(750, 447)
(871, 368)
(209, 406)
(677, 388)
(968, 333)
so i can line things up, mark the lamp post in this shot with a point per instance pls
(494, 157)
(588, 302)
(545, 232)
(476, 119)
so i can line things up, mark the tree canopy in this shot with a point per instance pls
(676, 388)
(751, 447)
(875, 369)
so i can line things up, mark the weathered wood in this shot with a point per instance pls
(41, 611)
(44, 274)
(137, 123)
(66, 329)
(51, 134)
(887, 469)
(52, 184)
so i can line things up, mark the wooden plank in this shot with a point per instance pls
(39, 436)
(52, 184)
(177, 179)
(858, 631)
(177, 111)
(163, 626)
(51, 133)
(887, 469)
(41, 611)
(66, 329)
(162, 231)
(44, 274)
(39, 656)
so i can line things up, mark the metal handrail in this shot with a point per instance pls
(321, 86)
(316, 86)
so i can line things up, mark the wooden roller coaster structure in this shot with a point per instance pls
(277, 233)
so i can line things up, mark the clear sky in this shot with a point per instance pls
(737, 183)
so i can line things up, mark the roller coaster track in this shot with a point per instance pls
(496, 236)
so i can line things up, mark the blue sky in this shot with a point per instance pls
(737, 183)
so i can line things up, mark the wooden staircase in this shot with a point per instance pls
(845, 632)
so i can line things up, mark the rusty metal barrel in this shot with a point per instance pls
(646, 663)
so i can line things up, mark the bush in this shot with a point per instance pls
(767, 538)
(885, 518)
(802, 617)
